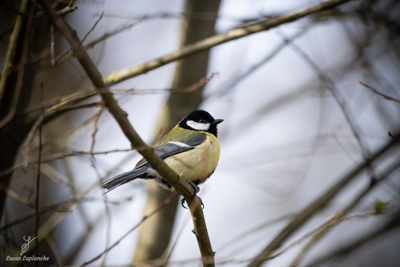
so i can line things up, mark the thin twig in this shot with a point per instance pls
(202, 82)
(241, 76)
(315, 206)
(333, 221)
(340, 214)
(390, 226)
(108, 233)
(379, 93)
(102, 38)
(84, 38)
(124, 74)
(15, 196)
(95, 129)
(394, 137)
(66, 206)
(163, 204)
(28, 140)
(340, 100)
(83, 95)
(83, 106)
(41, 55)
(204, 16)
(57, 156)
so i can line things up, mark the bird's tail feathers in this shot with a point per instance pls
(122, 178)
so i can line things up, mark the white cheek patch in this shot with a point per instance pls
(198, 126)
(178, 144)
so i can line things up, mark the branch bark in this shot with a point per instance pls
(120, 116)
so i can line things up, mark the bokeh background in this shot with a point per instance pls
(296, 120)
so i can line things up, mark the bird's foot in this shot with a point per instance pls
(196, 189)
(183, 203)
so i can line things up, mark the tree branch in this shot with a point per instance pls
(341, 213)
(124, 74)
(205, 44)
(12, 46)
(379, 93)
(120, 116)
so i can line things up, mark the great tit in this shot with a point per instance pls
(191, 149)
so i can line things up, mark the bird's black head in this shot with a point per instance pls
(200, 120)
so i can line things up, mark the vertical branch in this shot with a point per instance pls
(52, 45)
(37, 215)
(95, 129)
(21, 72)
(12, 46)
(14, 131)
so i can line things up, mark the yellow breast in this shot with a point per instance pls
(198, 163)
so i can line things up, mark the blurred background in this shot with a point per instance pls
(303, 143)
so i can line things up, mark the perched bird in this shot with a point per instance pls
(191, 149)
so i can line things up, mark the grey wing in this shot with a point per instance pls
(171, 148)
(123, 178)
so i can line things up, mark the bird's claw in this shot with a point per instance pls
(201, 203)
(196, 190)
(183, 203)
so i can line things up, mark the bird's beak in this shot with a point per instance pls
(217, 121)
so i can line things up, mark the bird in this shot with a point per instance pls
(191, 149)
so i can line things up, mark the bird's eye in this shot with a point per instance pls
(202, 120)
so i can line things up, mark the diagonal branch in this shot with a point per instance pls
(124, 74)
(120, 116)
(341, 213)
(379, 93)
(315, 206)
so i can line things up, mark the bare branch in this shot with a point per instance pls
(339, 99)
(58, 104)
(57, 156)
(21, 72)
(95, 129)
(38, 173)
(165, 203)
(315, 206)
(390, 226)
(12, 46)
(379, 93)
(124, 74)
(83, 39)
(181, 186)
(340, 214)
